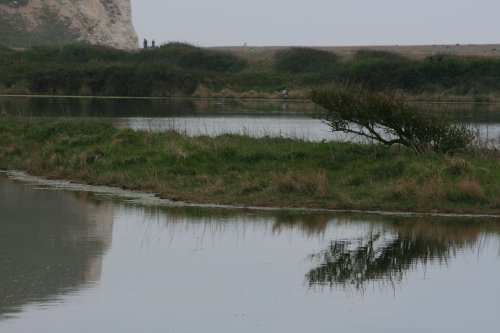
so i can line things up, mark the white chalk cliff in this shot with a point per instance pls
(38, 22)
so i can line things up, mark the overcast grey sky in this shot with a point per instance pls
(318, 22)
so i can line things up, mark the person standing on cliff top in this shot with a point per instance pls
(145, 43)
(153, 44)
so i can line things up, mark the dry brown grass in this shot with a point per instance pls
(251, 94)
(252, 186)
(495, 203)
(174, 148)
(36, 164)
(439, 97)
(457, 166)
(202, 179)
(433, 189)
(345, 200)
(12, 149)
(218, 187)
(314, 183)
(358, 180)
(403, 189)
(204, 92)
(470, 189)
(54, 160)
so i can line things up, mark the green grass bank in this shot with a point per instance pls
(234, 169)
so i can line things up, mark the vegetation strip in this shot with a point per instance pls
(178, 69)
(265, 172)
(148, 199)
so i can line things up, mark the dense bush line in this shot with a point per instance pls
(180, 69)
(303, 60)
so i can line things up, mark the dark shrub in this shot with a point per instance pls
(304, 60)
(388, 119)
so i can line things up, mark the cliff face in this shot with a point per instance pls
(26, 23)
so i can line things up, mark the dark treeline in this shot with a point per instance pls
(181, 69)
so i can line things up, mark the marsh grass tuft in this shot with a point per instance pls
(495, 203)
(468, 189)
(402, 189)
(12, 149)
(314, 182)
(434, 188)
(457, 166)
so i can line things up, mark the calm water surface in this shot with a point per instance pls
(84, 262)
(213, 117)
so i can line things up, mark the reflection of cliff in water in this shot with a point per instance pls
(51, 243)
(387, 251)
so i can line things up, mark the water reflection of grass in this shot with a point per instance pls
(270, 171)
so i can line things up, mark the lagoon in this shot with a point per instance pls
(213, 117)
(75, 260)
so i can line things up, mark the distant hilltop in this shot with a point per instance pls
(25, 23)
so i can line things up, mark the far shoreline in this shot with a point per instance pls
(431, 99)
(449, 73)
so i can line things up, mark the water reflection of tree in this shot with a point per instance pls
(386, 254)
(387, 248)
(341, 263)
